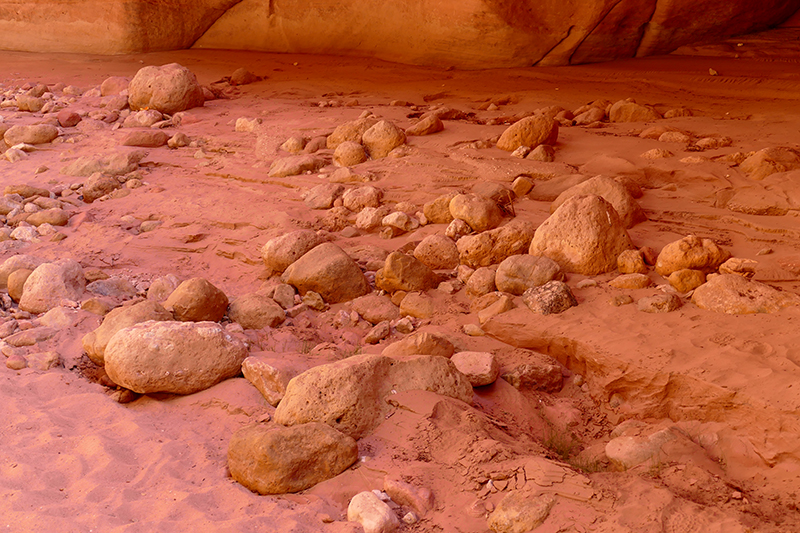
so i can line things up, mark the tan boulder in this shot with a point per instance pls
(519, 512)
(479, 212)
(16, 282)
(95, 342)
(420, 343)
(735, 295)
(270, 373)
(256, 311)
(631, 281)
(382, 138)
(418, 305)
(625, 111)
(349, 153)
(162, 287)
(426, 126)
(518, 273)
(16, 262)
(585, 235)
(168, 89)
(357, 199)
(610, 190)
(49, 283)
(99, 185)
(690, 252)
(174, 357)
(530, 132)
(328, 271)
(197, 300)
(294, 165)
(375, 308)
(481, 368)
(437, 252)
(350, 131)
(403, 272)
(686, 279)
(493, 246)
(374, 515)
(31, 134)
(349, 395)
(280, 252)
(438, 211)
(631, 262)
(54, 216)
(271, 459)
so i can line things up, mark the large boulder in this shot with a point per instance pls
(735, 295)
(437, 252)
(350, 131)
(479, 212)
(32, 134)
(197, 300)
(518, 273)
(403, 272)
(349, 395)
(493, 246)
(585, 235)
(256, 311)
(282, 251)
(17, 262)
(49, 283)
(610, 190)
(272, 459)
(169, 88)
(690, 252)
(530, 132)
(174, 357)
(382, 138)
(95, 342)
(328, 271)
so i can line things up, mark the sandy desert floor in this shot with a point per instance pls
(72, 458)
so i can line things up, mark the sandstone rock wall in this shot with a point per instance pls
(460, 33)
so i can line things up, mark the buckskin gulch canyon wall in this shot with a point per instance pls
(424, 266)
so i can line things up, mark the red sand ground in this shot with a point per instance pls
(72, 459)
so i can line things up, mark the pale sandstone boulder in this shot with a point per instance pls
(375, 308)
(114, 85)
(49, 283)
(493, 246)
(256, 311)
(660, 303)
(399, 222)
(503, 304)
(145, 139)
(349, 395)
(420, 343)
(271, 459)
(280, 252)
(174, 357)
(350, 131)
(770, 161)
(357, 199)
(16, 282)
(328, 271)
(529, 132)
(371, 218)
(585, 235)
(162, 287)
(481, 368)
(551, 298)
(323, 196)
(631, 262)
(540, 373)
(382, 138)
(16, 262)
(437, 252)
(95, 342)
(426, 126)
(518, 273)
(438, 211)
(735, 295)
(690, 252)
(519, 512)
(629, 211)
(99, 185)
(349, 153)
(27, 102)
(403, 272)
(418, 305)
(114, 164)
(168, 89)
(197, 300)
(686, 279)
(54, 216)
(630, 281)
(270, 373)
(625, 111)
(420, 499)
(479, 212)
(372, 513)
(294, 165)
(33, 134)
